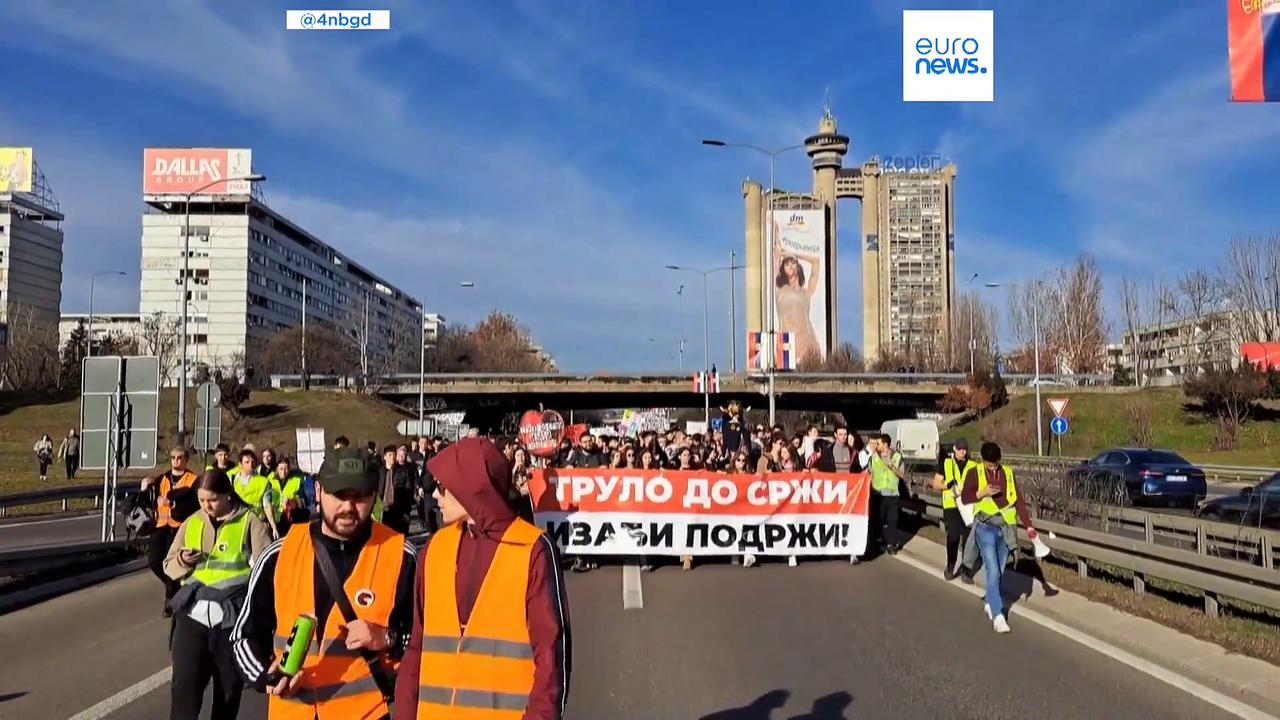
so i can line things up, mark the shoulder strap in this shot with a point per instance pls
(386, 683)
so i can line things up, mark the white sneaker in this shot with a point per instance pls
(748, 560)
(791, 561)
(1001, 625)
(987, 607)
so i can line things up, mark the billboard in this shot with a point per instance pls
(15, 169)
(179, 171)
(799, 277)
(1263, 355)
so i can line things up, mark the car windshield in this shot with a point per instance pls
(1162, 457)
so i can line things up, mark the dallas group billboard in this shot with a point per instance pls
(15, 169)
(204, 171)
(799, 277)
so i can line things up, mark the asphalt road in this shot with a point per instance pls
(823, 641)
(42, 531)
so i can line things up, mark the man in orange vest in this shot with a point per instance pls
(177, 478)
(491, 619)
(349, 671)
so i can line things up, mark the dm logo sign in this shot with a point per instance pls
(948, 55)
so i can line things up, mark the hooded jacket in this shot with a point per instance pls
(475, 472)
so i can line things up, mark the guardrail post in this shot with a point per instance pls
(95, 502)
(64, 504)
(1082, 568)
(1211, 604)
(2, 510)
(1202, 540)
(1139, 584)
(1267, 552)
(1149, 528)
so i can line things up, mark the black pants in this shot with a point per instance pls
(427, 512)
(157, 548)
(44, 466)
(72, 464)
(887, 520)
(957, 534)
(201, 654)
(397, 515)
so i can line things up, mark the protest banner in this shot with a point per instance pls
(540, 432)
(613, 511)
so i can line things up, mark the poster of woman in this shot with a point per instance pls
(800, 279)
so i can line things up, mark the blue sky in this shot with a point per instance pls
(549, 151)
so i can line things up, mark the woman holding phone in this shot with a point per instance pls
(211, 555)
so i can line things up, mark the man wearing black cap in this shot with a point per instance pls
(359, 636)
(948, 479)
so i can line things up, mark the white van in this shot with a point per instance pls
(917, 440)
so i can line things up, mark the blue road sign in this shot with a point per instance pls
(717, 423)
(1058, 425)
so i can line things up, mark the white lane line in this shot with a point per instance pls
(124, 697)
(49, 522)
(632, 591)
(1191, 687)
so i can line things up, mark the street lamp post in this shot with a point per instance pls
(186, 270)
(706, 333)
(88, 351)
(680, 294)
(766, 353)
(422, 368)
(1035, 341)
(971, 304)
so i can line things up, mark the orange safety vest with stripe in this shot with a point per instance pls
(336, 683)
(483, 671)
(164, 517)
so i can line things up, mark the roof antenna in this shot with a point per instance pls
(826, 105)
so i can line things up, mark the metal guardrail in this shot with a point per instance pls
(69, 492)
(27, 561)
(1233, 473)
(330, 381)
(1215, 577)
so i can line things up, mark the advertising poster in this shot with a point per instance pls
(178, 171)
(672, 512)
(799, 280)
(15, 169)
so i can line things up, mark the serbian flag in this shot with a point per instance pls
(706, 382)
(753, 350)
(1253, 37)
(785, 359)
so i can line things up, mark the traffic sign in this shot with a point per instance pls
(1058, 405)
(1058, 425)
(208, 395)
(411, 427)
(119, 412)
(208, 428)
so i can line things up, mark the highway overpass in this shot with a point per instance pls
(865, 399)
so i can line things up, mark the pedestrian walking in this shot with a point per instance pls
(211, 556)
(69, 452)
(498, 577)
(886, 472)
(947, 480)
(355, 577)
(256, 490)
(175, 501)
(998, 509)
(44, 455)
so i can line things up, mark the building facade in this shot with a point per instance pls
(31, 251)
(125, 326)
(248, 270)
(1164, 354)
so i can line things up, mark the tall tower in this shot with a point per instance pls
(827, 148)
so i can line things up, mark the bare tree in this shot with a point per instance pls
(159, 335)
(1199, 296)
(1076, 328)
(1023, 299)
(1250, 278)
(971, 309)
(31, 361)
(1135, 320)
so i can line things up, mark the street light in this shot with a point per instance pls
(766, 357)
(1035, 339)
(186, 270)
(971, 304)
(88, 351)
(706, 333)
(680, 294)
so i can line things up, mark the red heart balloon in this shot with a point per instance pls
(541, 431)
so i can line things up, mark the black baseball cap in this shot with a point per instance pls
(348, 469)
(961, 444)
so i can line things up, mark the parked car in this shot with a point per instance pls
(1143, 477)
(1257, 506)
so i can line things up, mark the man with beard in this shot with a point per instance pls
(361, 634)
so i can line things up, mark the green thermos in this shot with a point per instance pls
(304, 629)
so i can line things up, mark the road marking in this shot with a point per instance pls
(6, 526)
(1186, 684)
(632, 591)
(124, 697)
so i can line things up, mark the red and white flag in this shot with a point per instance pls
(706, 382)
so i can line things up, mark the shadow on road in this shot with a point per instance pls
(6, 697)
(827, 707)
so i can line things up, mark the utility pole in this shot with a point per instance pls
(305, 384)
(733, 313)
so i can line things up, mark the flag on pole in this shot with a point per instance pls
(706, 382)
(754, 342)
(1253, 41)
(786, 355)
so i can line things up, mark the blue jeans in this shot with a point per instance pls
(995, 553)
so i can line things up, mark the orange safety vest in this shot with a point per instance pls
(485, 670)
(163, 516)
(336, 682)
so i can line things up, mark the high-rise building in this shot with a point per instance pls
(247, 268)
(30, 267)
(908, 259)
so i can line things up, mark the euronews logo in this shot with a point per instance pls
(948, 56)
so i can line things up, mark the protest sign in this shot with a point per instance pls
(540, 432)
(604, 511)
